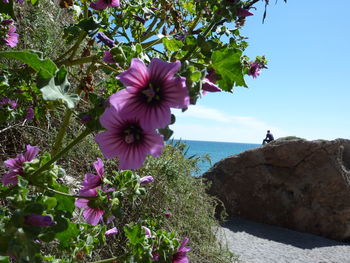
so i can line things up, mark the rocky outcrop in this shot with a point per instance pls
(298, 184)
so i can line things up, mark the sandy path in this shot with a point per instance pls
(260, 243)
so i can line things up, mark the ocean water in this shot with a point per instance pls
(216, 150)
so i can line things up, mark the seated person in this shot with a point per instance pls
(268, 138)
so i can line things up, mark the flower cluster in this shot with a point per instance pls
(8, 102)
(254, 69)
(92, 213)
(136, 112)
(15, 165)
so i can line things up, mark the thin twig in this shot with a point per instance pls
(24, 126)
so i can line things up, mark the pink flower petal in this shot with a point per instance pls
(10, 178)
(93, 216)
(109, 143)
(99, 167)
(110, 119)
(177, 93)
(136, 76)
(161, 70)
(112, 231)
(148, 232)
(81, 203)
(31, 153)
(102, 4)
(146, 179)
(13, 163)
(91, 181)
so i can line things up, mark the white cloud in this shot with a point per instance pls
(208, 124)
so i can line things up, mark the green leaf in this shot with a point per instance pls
(172, 44)
(57, 89)
(50, 202)
(90, 25)
(46, 68)
(7, 8)
(4, 259)
(227, 64)
(64, 203)
(195, 76)
(65, 236)
(166, 132)
(134, 234)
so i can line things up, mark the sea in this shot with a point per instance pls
(215, 150)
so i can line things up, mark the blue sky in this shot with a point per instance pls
(304, 92)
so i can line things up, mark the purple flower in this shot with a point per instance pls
(91, 180)
(127, 139)
(30, 114)
(150, 92)
(209, 83)
(155, 256)
(103, 4)
(148, 232)
(108, 58)
(85, 118)
(167, 214)
(111, 232)
(146, 179)
(254, 69)
(5, 1)
(92, 214)
(101, 37)
(7, 101)
(38, 220)
(241, 12)
(11, 39)
(15, 165)
(110, 219)
(140, 19)
(180, 256)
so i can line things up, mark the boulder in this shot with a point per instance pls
(293, 183)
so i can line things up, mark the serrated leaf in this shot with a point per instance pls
(227, 64)
(46, 68)
(57, 89)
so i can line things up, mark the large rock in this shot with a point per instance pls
(298, 184)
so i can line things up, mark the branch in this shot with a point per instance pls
(78, 61)
(21, 125)
(63, 152)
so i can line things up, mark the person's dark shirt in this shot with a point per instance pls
(269, 136)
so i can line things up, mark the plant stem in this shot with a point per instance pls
(69, 195)
(149, 31)
(195, 48)
(72, 49)
(82, 36)
(107, 260)
(151, 43)
(59, 138)
(110, 68)
(64, 151)
(78, 61)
